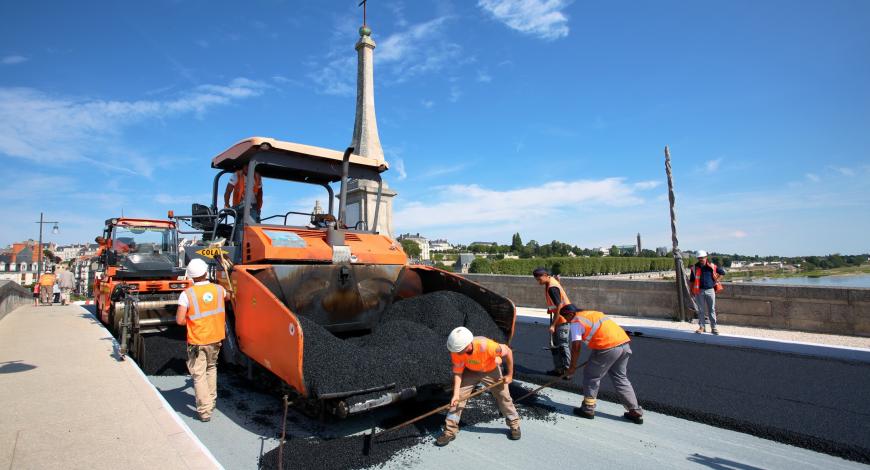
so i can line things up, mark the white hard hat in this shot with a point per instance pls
(196, 268)
(459, 339)
(702, 254)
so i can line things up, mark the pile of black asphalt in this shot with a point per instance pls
(407, 347)
(352, 452)
(814, 403)
(165, 353)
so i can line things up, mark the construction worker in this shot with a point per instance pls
(704, 279)
(609, 355)
(236, 190)
(476, 360)
(66, 282)
(557, 301)
(201, 308)
(46, 287)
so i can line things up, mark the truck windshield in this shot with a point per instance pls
(144, 240)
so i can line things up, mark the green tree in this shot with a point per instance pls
(480, 265)
(412, 249)
(517, 243)
(614, 251)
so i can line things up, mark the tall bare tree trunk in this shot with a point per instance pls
(683, 295)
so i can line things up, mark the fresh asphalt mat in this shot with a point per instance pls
(817, 404)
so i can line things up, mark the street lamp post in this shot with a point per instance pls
(54, 230)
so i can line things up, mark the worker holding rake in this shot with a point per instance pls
(610, 353)
(476, 360)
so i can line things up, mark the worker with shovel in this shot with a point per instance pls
(476, 360)
(557, 301)
(609, 355)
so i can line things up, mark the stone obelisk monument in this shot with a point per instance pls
(362, 194)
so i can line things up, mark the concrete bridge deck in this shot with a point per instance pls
(71, 403)
(68, 402)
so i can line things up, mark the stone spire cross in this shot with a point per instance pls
(366, 141)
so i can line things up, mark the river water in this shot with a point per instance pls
(862, 280)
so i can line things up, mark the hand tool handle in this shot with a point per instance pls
(437, 410)
(548, 384)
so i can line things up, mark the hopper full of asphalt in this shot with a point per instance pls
(406, 347)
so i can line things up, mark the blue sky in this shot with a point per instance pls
(546, 117)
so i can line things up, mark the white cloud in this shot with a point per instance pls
(455, 94)
(399, 165)
(483, 77)
(813, 177)
(51, 129)
(472, 206)
(712, 165)
(644, 185)
(541, 18)
(416, 50)
(202, 43)
(739, 234)
(845, 171)
(427, 103)
(443, 170)
(13, 59)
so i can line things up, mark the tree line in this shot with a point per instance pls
(566, 266)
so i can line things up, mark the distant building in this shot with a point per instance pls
(662, 251)
(603, 251)
(463, 263)
(19, 262)
(627, 249)
(439, 245)
(639, 249)
(422, 242)
(484, 243)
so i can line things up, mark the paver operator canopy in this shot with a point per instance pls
(276, 159)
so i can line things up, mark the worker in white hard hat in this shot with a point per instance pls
(476, 360)
(201, 308)
(704, 280)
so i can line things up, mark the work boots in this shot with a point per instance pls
(634, 416)
(584, 413)
(515, 434)
(444, 439)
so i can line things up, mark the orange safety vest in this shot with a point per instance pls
(239, 188)
(47, 280)
(600, 332)
(551, 307)
(696, 286)
(206, 314)
(484, 356)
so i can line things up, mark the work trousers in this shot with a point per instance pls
(501, 394)
(706, 301)
(561, 348)
(202, 364)
(614, 363)
(45, 294)
(64, 295)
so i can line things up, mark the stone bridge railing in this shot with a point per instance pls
(12, 296)
(833, 310)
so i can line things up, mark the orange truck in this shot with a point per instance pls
(136, 292)
(331, 266)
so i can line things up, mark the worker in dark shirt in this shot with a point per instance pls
(704, 279)
(557, 301)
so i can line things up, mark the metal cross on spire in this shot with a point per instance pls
(363, 4)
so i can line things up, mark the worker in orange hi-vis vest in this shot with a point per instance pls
(609, 355)
(201, 308)
(557, 300)
(476, 360)
(46, 287)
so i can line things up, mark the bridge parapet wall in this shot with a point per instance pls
(12, 296)
(832, 310)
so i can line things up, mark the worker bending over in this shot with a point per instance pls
(476, 360)
(609, 355)
(201, 308)
(557, 302)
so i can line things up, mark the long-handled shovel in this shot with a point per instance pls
(546, 385)
(370, 438)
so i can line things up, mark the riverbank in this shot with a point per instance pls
(743, 276)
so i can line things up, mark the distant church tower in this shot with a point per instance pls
(362, 194)
(638, 244)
